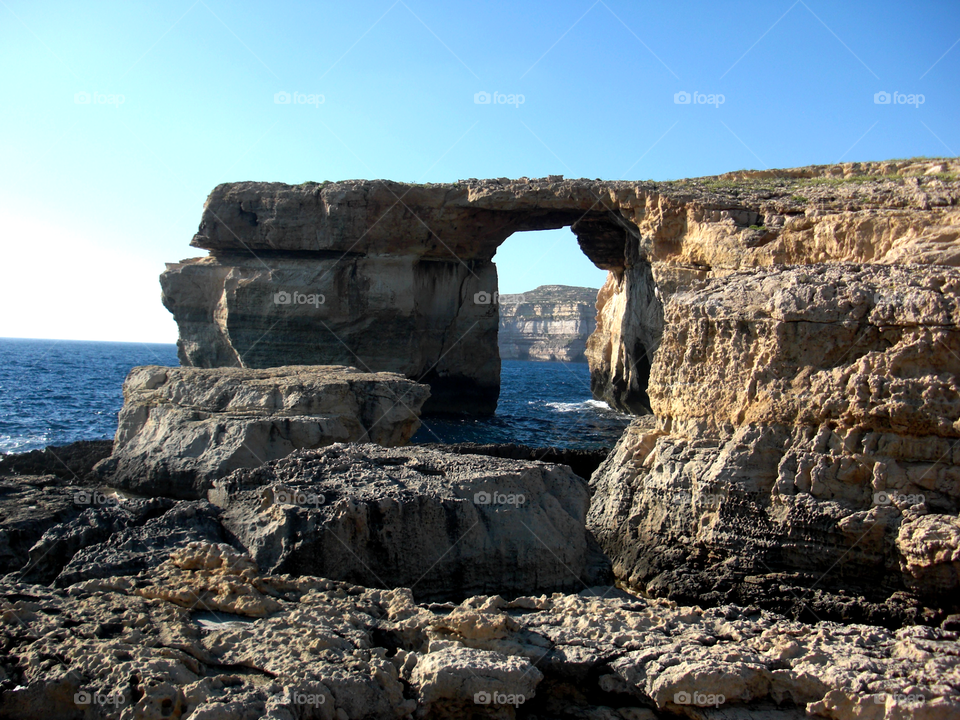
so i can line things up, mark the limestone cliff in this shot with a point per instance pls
(552, 322)
(393, 276)
(794, 333)
(806, 437)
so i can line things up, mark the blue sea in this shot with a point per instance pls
(542, 404)
(54, 392)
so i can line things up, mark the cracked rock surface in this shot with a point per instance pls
(206, 635)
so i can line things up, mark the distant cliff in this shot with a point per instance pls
(552, 322)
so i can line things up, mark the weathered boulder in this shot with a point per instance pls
(447, 526)
(122, 537)
(208, 635)
(551, 322)
(180, 428)
(408, 267)
(807, 435)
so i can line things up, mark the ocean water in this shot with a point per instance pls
(54, 392)
(542, 404)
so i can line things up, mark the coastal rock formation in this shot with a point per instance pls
(69, 462)
(807, 435)
(29, 504)
(551, 322)
(398, 277)
(208, 636)
(180, 428)
(446, 526)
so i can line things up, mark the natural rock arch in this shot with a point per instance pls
(398, 265)
(398, 275)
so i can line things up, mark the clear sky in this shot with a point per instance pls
(118, 118)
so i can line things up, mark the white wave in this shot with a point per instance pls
(585, 405)
(23, 443)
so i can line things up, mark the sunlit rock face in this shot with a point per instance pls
(552, 322)
(807, 436)
(182, 428)
(398, 277)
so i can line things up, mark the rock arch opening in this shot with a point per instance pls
(548, 295)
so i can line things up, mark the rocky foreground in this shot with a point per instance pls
(124, 607)
(206, 635)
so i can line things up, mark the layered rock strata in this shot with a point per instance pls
(551, 322)
(807, 437)
(446, 526)
(398, 277)
(181, 428)
(207, 635)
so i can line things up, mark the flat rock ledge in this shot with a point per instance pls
(207, 635)
(181, 428)
(447, 526)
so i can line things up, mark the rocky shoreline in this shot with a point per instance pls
(775, 536)
(151, 607)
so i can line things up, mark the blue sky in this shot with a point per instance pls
(95, 196)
